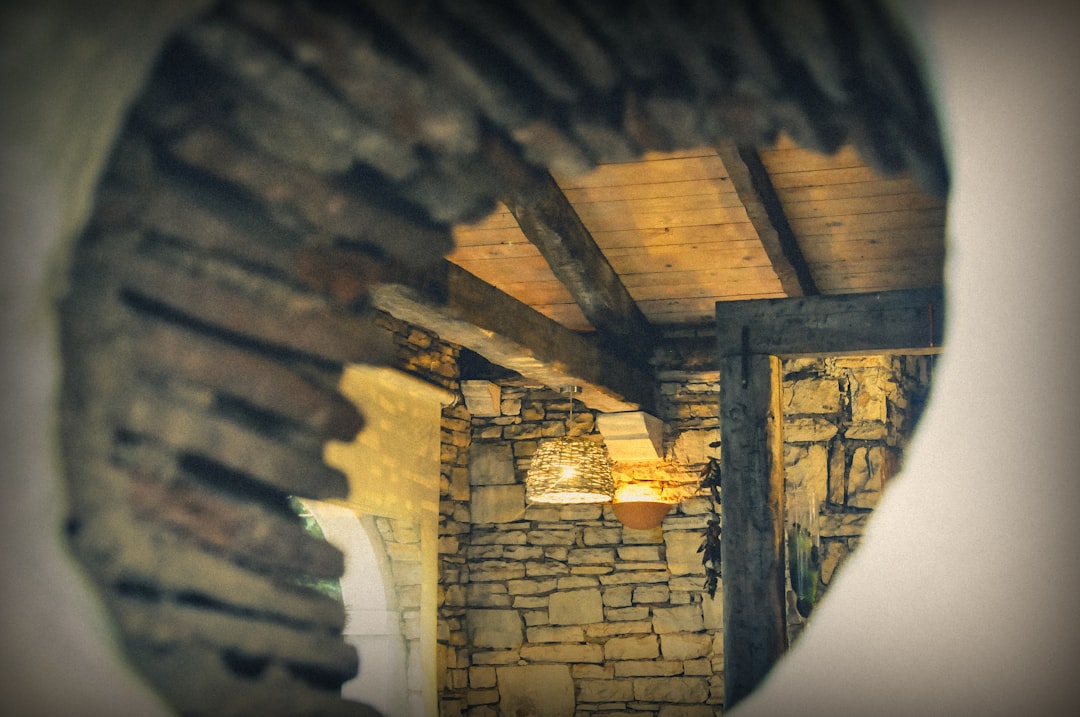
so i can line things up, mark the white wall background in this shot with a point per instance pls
(962, 598)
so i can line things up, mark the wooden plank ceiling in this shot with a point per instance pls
(675, 229)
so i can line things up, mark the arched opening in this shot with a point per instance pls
(374, 620)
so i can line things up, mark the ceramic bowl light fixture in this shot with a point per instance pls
(640, 507)
(646, 492)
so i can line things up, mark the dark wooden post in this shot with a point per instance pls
(753, 520)
(751, 335)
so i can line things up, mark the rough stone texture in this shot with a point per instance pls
(833, 552)
(692, 446)
(685, 646)
(568, 633)
(807, 467)
(482, 697)
(482, 677)
(491, 464)
(648, 668)
(652, 594)
(495, 657)
(675, 689)
(536, 690)
(712, 609)
(845, 450)
(811, 396)
(576, 607)
(615, 627)
(592, 556)
(496, 571)
(703, 667)
(621, 596)
(870, 468)
(592, 672)
(627, 613)
(686, 618)
(629, 577)
(636, 647)
(808, 429)
(495, 628)
(639, 553)
(683, 557)
(562, 652)
(498, 503)
(606, 690)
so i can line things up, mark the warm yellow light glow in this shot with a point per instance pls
(646, 491)
(638, 493)
(569, 470)
(661, 481)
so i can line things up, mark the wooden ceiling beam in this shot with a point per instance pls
(751, 182)
(904, 321)
(548, 220)
(477, 316)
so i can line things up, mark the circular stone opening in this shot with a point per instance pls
(284, 159)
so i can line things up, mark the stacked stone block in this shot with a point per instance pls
(421, 353)
(846, 423)
(607, 619)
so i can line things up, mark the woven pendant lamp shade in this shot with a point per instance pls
(569, 470)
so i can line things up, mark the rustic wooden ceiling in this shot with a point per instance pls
(681, 232)
(571, 159)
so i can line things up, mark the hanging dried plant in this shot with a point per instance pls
(710, 545)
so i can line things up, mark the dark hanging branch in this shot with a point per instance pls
(710, 544)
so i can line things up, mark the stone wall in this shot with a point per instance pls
(847, 422)
(562, 609)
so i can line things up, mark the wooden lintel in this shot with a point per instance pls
(904, 321)
(506, 332)
(548, 220)
(752, 554)
(751, 182)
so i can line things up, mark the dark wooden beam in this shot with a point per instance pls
(905, 321)
(506, 332)
(752, 554)
(549, 221)
(751, 181)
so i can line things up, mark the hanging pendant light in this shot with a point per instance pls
(569, 469)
